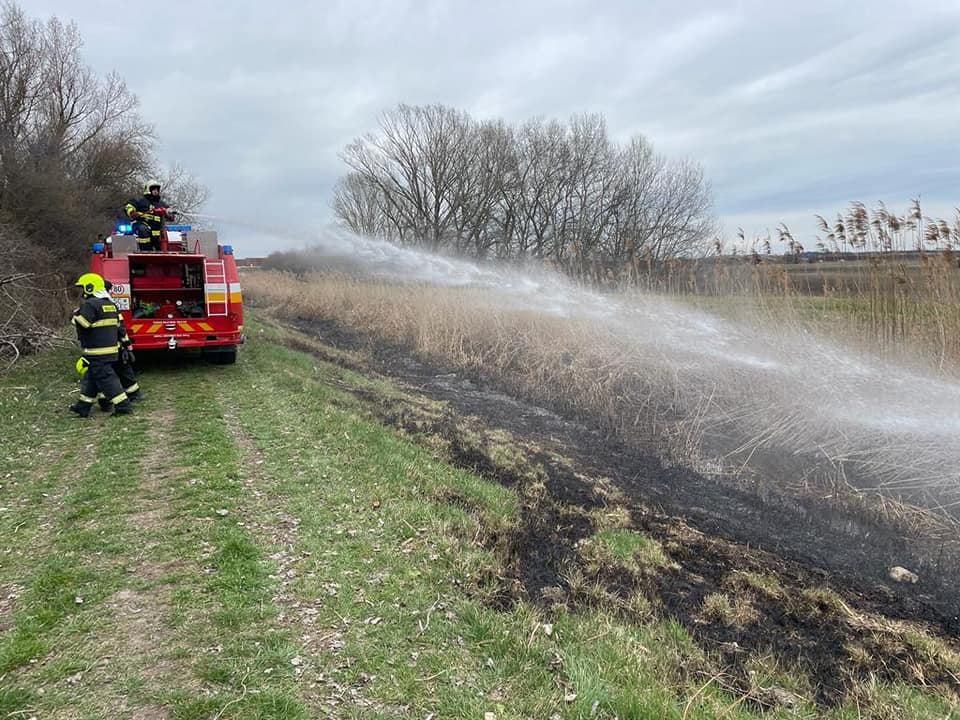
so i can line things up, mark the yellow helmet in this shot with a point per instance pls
(82, 366)
(90, 283)
(150, 184)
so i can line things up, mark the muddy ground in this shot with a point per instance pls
(833, 610)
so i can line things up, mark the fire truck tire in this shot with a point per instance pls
(226, 357)
(218, 356)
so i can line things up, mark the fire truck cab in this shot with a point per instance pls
(186, 295)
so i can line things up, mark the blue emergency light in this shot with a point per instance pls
(180, 228)
(126, 229)
(98, 247)
(228, 249)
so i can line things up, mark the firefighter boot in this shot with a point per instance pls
(123, 408)
(81, 408)
(136, 396)
(104, 404)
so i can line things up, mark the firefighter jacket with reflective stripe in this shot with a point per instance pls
(97, 321)
(145, 206)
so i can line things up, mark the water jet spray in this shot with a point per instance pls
(798, 404)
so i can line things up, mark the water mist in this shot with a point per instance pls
(786, 400)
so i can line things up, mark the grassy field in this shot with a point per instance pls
(253, 544)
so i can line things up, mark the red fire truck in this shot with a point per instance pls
(186, 295)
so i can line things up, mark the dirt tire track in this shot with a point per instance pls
(140, 630)
(281, 535)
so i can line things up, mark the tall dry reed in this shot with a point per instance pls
(685, 408)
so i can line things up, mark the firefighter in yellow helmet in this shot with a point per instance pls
(96, 321)
(148, 214)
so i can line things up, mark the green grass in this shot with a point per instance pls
(632, 548)
(252, 544)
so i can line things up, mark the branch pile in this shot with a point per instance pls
(32, 300)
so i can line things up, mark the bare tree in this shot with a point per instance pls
(359, 205)
(183, 191)
(417, 163)
(545, 157)
(547, 190)
(631, 224)
(481, 176)
(591, 182)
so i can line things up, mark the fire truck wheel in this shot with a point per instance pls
(225, 357)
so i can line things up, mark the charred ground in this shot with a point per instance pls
(747, 571)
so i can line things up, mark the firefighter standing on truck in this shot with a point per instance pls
(97, 321)
(148, 214)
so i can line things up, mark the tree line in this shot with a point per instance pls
(558, 192)
(73, 148)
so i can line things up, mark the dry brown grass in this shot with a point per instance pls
(899, 305)
(733, 610)
(580, 368)
(596, 372)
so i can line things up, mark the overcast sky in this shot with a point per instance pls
(792, 108)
